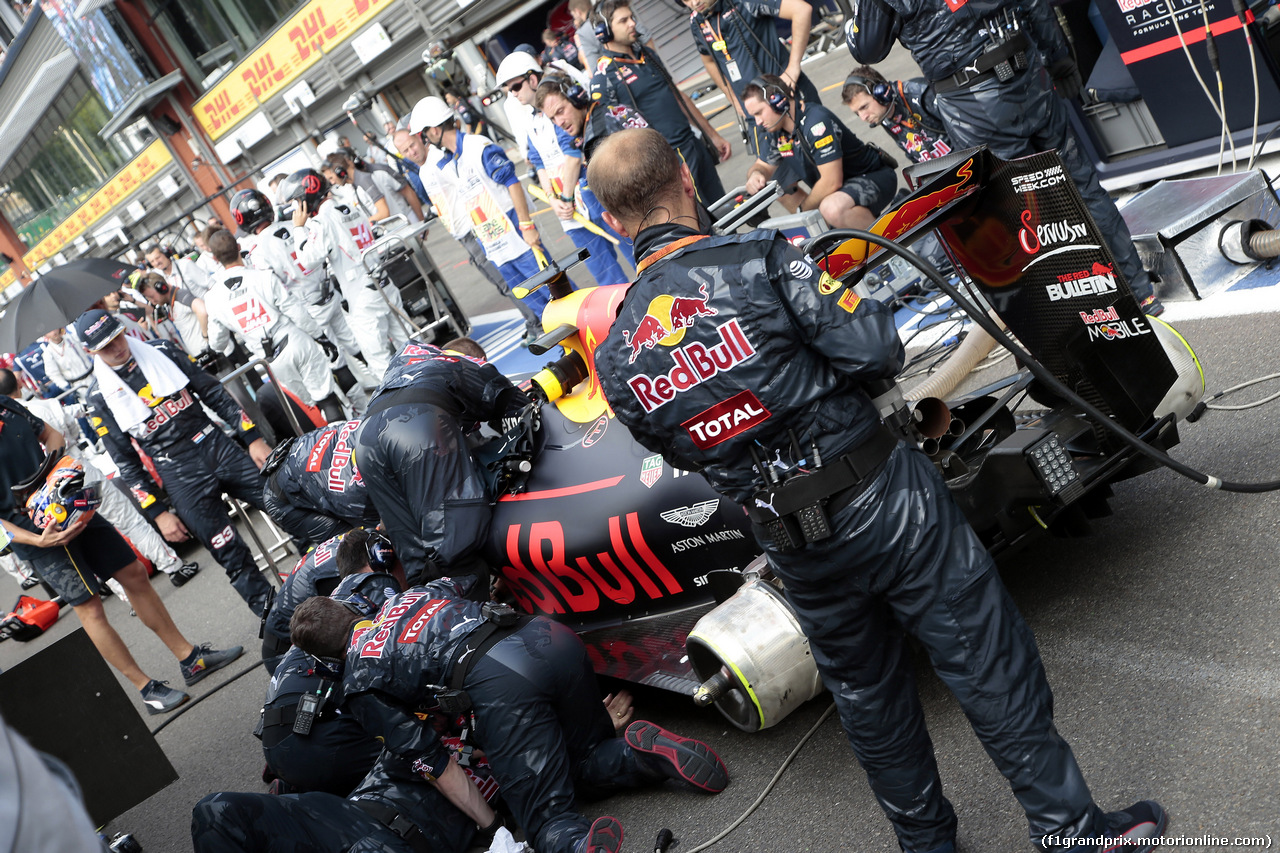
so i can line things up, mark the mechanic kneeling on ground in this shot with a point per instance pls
(528, 685)
(393, 809)
(773, 367)
(411, 450)
(313, 489)
(318, 573)
(151, 392)
(332, 752)
(850, 181)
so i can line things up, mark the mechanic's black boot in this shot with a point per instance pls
(605, 836)
(331, 408)
(1130, 831)
(678, 757)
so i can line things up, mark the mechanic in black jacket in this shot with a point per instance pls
(392, 811)
(336, 753)
(736, 348)
(160, 404)
(412, 453)
(315, 574)
(994, 65)
(313, 490)
(534, 703)
(318, 573)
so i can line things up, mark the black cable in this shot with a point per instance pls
(194, 702)
(1040, 372)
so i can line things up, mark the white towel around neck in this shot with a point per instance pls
(164, 377)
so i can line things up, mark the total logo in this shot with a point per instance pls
(665, 320)
(1097, 280)
(695, 363)
(1119, 330)
(726, 419)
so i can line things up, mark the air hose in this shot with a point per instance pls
(1043, 374)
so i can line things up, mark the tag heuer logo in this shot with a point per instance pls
(692, 516)
(650, 470)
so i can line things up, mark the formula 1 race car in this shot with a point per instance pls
(661, 576)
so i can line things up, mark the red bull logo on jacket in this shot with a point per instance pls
(695, 363)
(665, 320)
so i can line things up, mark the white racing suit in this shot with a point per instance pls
(273, 250)
(253, 306)
(337, 234)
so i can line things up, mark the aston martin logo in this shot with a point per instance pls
(692, 516)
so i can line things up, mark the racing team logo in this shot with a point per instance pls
(692, 516)
(1100, 315)
(665, 320)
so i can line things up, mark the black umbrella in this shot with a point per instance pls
(57, 298)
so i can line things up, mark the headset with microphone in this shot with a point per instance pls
(602, 28)
(573, 92)
(380, 551)
(776, 96)
(879, 91)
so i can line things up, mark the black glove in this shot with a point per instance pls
(206, 358)
(330, 350)
(1066, 78)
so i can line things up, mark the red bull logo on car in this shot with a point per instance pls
(665, 320)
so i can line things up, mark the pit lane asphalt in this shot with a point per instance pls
(1158, 632)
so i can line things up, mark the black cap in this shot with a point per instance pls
(97, 328)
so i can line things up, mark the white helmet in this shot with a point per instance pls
(516, 64)
(328, 145)
(430, 112)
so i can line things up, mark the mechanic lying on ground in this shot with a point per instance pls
(782, 356)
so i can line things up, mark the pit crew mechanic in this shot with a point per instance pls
(336, 752)
(904, 109)
(533, 699)
(313, 489)
(772, 357)
(631, 74)
(411, 449)
(550, 151)
(738, 40)
(850, 181)
(270, 247)
(965, 49)
(151, 392)
(251, 306)
(336, 234)
(392, 809)
(318, 573)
